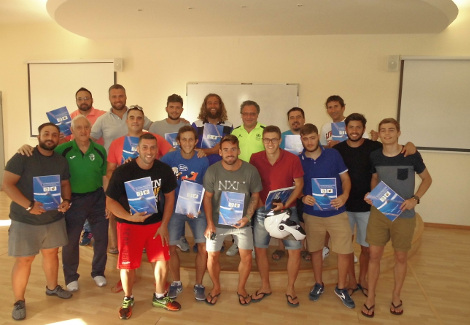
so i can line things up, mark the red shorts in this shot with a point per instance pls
(132, 239)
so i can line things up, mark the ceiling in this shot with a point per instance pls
(112, 19)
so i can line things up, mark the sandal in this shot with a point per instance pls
(292, 304)
(245, 298)
(306, 256)
(212, 297)
(368, 310)
(394, 311)
(278, 254)
(352, 290)
(364, 290)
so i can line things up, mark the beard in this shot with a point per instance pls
(45, 146)
(356, 140)
(173, 118)
(84, 107)
(216, 115)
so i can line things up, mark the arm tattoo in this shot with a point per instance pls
(251, 207)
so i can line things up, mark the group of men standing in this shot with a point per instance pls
(249, 160)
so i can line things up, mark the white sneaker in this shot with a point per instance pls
(325, 252)
(355, 259)
(100, 281)
(232, 251)
(72, 286)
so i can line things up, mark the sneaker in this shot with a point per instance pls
(175, 289)
(355, 259)
(183, 244)
(100, 280)
(232, 251)
(72, 286)
(166, 303)
(86, 238)
(199, 292)
(325, 252)
(125, 312)
(19, 310)
(316, 291)
(59, 292)
(345, 297)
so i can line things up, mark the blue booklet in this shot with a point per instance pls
(171, 138)
(338, 131)
(231, 207)
(324, 190)
(211, 135)
(189, 198)
(46, 190)
(140, 195)
(61, 118)
(129, 149)
(386, 200)
(280, 195)
(293, 144)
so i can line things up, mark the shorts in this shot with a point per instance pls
(132, 239)
(361, 219)
(27, 240)
(261, 236)
(380, 230)
(244, 236)
(338, 228)
(177, 223)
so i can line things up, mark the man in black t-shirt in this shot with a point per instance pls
(132, 237)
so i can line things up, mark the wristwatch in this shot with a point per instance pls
(416, 198)
(31, 205)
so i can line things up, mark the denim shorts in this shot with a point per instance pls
(244, 237)
(261, 236)
(360, 219)
(177, 223)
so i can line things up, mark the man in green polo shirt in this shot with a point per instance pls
(250, 134)
(87, 164)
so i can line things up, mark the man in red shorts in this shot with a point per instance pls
(140, 230)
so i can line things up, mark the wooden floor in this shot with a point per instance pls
(436, 291)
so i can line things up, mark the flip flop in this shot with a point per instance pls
(306, 256)
(264, 294)
(368, 309)
(291, 304)
(278, 254)
(352, 290)
(364, 290)
(246, 303)
(394, 312)
(211, 302)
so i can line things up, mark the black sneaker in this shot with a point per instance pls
(19, 310)
(316, 291)
(345, 297)
(59, 292)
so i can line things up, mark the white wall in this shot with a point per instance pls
(354, 67)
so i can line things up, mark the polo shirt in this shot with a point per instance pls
(110, 126)
(250, 143)
(91, 117)
(282, 174)
(116, 147)
(329, 164)
(86, 169)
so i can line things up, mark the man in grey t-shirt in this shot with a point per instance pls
(232, 193)
(169, 127)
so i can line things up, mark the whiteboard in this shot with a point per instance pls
(434, 103)
(54, 84)
(274, 100)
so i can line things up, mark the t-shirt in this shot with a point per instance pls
(328, 165)
(163, 182)
(280, 175)
(192, 169)
(27, 168)
(359, 166)
(163, 127)
(249, 143)
(86, 169)
(116, 147)
(244, 180)
(198, 125)
(398, 173)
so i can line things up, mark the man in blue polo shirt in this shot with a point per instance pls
(319, 163)
(87, 163)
